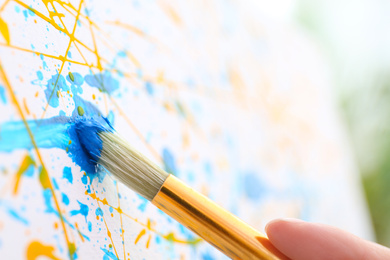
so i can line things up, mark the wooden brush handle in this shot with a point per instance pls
(220, 228)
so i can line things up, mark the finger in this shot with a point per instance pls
(302, 240)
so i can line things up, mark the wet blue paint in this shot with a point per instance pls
(254, 188)
(3, 98)
(65, 199)
(169, 162)
(82, 211)
(111, 209)
(102, 81)
(56, 132)
(67, 174)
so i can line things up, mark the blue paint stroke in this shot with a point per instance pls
(67, 174)
(13, 213)
(2, 95)
(56, 132)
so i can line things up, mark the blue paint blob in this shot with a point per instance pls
(87, 130)
(207, 256)
(104, 82)
(83, 210)
(254, 189)
(89, 226)
(111, 209)
(39, 75)
(108, 255)
(2, 95)
(99, 212)
(143, 204)
(65, 199)
(169, 162)
(149, 88)
(67, 174)
(84, 179)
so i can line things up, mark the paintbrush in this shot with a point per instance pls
(220, 228)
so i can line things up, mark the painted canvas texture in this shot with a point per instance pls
(233, 104)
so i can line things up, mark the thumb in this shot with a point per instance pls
(302, 240)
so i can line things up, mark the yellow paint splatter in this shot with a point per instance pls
(44, 178)
(26, 163)
(143, 232)
(36, 249)
(4, 30)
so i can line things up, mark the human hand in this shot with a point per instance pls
(302, 240)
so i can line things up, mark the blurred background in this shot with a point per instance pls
(354, 38)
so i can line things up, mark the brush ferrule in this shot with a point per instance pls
(214, 224)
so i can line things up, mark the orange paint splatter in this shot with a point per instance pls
(26, 163)
(143, 232)
(36, 249)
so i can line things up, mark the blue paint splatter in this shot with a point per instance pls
(51, 85)
(207, 256)
(39, 75)
(54, 183)
(89, 226)
(254, 189)
(65, 199)
(83, 210)
(149, 88)
(104, 82)
(13, 213)
(108, 255)
(67, 174)
(2, 95)
(84, 179)
(143, 204)
(111, 209)
(169, 162)
(99, 212)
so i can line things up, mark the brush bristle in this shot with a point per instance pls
(129, 166)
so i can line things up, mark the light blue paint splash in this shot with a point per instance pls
(14, 214)
(51, 84)
(82, 211)
(169, 162)
(143, 204)
(67, 174)
(108, 255)
(3, 98)
(47, 195)
(65, 199)
(254, 189)
(102, 81)
(99, 212)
